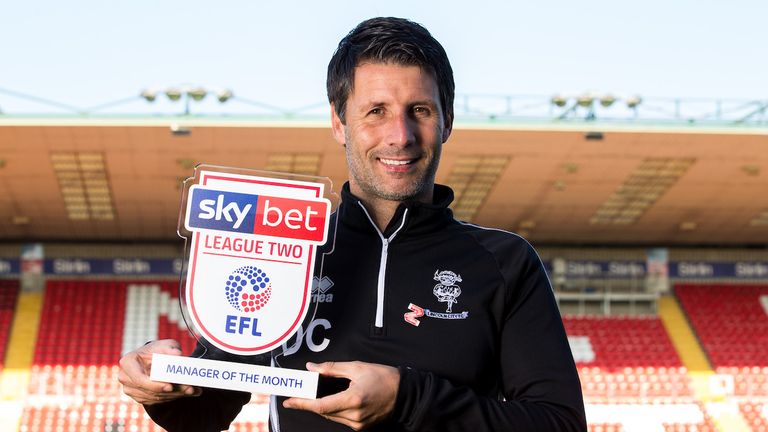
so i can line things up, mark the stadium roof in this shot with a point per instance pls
(117, 178)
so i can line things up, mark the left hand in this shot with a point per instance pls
(369, 399)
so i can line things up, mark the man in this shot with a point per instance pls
(496, 358)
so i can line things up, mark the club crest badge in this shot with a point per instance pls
(447, 290)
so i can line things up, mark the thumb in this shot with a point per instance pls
(334, 369)
(165, 346)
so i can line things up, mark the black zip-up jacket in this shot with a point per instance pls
(466, 313)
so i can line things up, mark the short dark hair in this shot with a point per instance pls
(388, 40)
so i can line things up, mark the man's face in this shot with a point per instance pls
(394, 131)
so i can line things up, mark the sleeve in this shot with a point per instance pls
(539, 383)
(213, 410)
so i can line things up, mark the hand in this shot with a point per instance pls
(134, 375)
(369, 399)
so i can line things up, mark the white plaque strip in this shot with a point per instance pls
(234, 376)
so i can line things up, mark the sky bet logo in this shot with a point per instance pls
(217, 210)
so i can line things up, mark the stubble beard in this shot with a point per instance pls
(419, 187)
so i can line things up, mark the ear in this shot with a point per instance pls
(337, 127)
(448, 127)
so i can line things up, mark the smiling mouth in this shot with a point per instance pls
(393, 162)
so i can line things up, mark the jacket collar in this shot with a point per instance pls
(420, 218)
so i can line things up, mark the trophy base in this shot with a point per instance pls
(234, 376)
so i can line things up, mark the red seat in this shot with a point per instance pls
(9, 290)
(633, 358)
(732, 326)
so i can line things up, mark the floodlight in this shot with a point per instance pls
(633, 101)
(607, 100)
(149, 95)
(197, 93)
(585, 100)
(173, 94)
(224, 95)
(558, 101)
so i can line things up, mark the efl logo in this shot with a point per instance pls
(248, 289)
(256, 214)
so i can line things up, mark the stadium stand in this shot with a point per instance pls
(9, 289)
(634, 375)
(152, 312)
(625, 341)
(670, 416)
(73, 384)
(756, 415)
(625, 357)
(87, 311)
(730, 320)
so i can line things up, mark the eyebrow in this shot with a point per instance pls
(427, 102)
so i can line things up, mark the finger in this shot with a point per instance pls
(332, 407)
(301, 404)
(187, 390)
(135, 366)
(335, 369)
(134, 372)
(146, 397)
(149, 398)
(143, 383)
(142, 395)
(163, 346)
(353, 424)
(327, 405)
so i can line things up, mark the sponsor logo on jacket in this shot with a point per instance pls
(447, 290)
(320, 288)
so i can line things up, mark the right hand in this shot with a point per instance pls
(134, 375)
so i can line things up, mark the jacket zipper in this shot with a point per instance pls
(385, 241)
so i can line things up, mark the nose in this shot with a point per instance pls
(401, 130)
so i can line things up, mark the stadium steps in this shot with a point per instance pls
(18, 360)
(682, 336)
(687, 346)
(700, 371)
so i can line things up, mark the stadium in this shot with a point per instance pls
(653, 231)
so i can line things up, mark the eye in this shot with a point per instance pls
(376, 111)
(421, 111)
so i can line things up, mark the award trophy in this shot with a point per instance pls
(252, 240)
